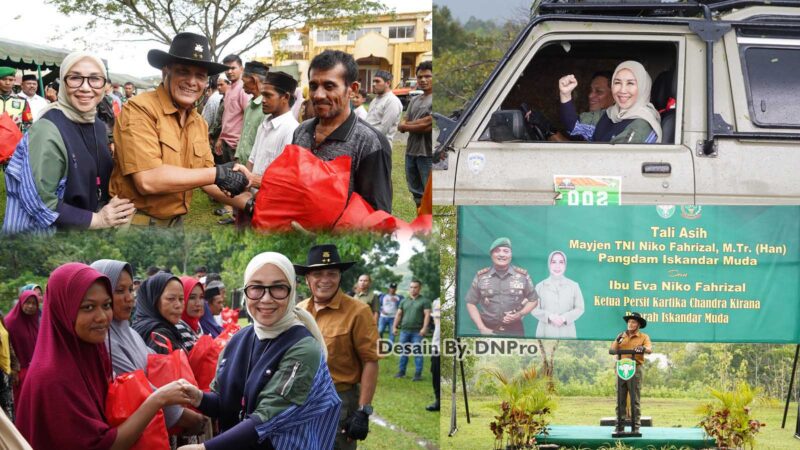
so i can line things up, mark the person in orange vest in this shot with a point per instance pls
(17, 108)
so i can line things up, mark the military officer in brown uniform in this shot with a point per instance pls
(632, 339)
(501, 295)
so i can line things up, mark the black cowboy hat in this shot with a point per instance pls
(324, 256)
(638, 317)
(186, 48)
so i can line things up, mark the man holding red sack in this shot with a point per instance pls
(352, 354)
(337, 131)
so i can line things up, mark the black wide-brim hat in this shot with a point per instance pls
(325, 256)
(638, 317)
(186, 48)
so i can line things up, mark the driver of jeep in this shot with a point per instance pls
(599, 98)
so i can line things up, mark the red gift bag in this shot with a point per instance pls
(422, 224)
(203, 361)
(125, 394)
(300, 187)
(226, 335)
(164, 369)
(9, 137)
(359, 215)
(229, 316)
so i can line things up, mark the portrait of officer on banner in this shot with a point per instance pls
(501, 295)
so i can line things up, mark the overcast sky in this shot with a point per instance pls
(37, 22)
(502, 10)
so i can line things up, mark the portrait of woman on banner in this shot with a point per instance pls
(560, 301)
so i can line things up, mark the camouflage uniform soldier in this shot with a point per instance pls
(504, 292)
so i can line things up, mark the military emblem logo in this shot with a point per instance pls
(665, 211)
(691, 211)
(626, 369)
(198, 51)
(476, 162)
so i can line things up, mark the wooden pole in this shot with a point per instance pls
(464, 387)
(789, 394)
(453, 396)
(39, 77)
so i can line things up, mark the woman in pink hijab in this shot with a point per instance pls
(63, 399)
(22, 324)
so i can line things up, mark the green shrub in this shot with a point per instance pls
(728, 419)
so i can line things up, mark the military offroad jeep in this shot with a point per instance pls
(731, 68)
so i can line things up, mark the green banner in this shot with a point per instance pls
(696, 274)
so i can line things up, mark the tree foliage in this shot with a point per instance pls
(466, 56)
(25, 259)
(425, 268)
(221, 21)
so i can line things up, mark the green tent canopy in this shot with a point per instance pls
(123, 78)
(23, 55)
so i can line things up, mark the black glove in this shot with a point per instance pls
(233, 182)
(356, 426)
(250, 206)
(639, 349)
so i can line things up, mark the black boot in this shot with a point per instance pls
(433, 406)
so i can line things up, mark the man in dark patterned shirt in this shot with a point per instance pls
(336, 131)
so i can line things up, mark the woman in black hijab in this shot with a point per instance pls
(159, 305)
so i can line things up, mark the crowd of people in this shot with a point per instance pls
(302, 375)
(93, 156)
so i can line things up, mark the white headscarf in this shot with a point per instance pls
(63, 102)
(642, 108)
(550, 258)
(293, 316)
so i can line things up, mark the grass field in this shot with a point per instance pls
(589, 410)
(401, 402)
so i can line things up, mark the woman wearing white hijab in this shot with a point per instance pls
(58, 176)
(632, 119)
(272, 388)
(560, 301)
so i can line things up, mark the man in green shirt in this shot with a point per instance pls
(412, 320)
(255, 73)
(364, 294)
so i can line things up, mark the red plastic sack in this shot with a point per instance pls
(422, 224)
(359, 215)
(9, 137)
(226, 335)
(164, 369)
(203, 361)
(300, 187)
(125, 394)
(229, 316)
